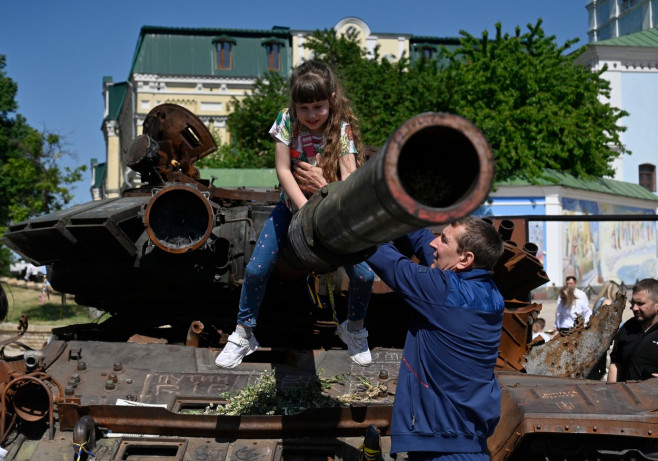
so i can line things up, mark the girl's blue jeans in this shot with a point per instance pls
(263, 260)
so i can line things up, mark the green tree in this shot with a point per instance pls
(384, 94)
(31, 179)
(537, 107)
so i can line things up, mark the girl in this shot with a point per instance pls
(607, 295)
(320, 128)
(568, 308)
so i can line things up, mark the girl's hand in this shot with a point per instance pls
(309, 178)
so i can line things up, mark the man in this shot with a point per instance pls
(634, 354)
(571, 283)
(447, 401)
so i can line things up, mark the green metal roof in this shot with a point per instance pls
(191, 51)
(266, 177)
(179, 51)
(601, 185)
(116, 95)
(414, 39)
(99, 174)
(644, 38)
(276, 30)
(247, 177)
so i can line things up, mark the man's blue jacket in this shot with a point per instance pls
(447, 398)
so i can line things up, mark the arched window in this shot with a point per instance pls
(647, 173)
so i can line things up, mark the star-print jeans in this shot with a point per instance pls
(264, 258)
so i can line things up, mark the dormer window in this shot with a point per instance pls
(224, 52)
(427, 51)
(647, 173)
(273, 48)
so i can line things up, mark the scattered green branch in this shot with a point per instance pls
(266, 398)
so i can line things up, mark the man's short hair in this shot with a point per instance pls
(571, 277)
(480, 238)
(651, 287)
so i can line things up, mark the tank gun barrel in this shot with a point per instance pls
(435, 168)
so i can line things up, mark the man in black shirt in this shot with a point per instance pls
(634, 355)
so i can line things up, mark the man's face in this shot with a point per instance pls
(571, 283)
(644, 308)
(445, 247)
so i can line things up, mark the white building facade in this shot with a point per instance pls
(630, 64)
(615, 18)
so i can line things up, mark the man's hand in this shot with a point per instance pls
(309, 177)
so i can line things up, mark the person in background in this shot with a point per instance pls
(571, 283)
(606, 295)
(447, 401)
(634, 353)
(568, 308)
(318, 128)
(538, 329)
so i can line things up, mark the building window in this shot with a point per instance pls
(626, 4)
(224, 55)
(274, 46)
(273, 51)
(427, 51)
(224, 47)
(648, 176)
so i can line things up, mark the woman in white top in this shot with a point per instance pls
(568, 308)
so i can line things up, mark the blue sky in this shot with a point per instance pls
(59, 51)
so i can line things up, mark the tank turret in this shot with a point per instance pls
(180, 243)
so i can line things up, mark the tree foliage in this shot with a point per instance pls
(384, 94)
(537, 108)
(32, 182)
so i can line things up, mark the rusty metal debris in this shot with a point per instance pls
(173, 139)
(557, 418)
(22, 328)
(578, 352)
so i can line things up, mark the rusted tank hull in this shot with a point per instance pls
(542, 417)
(167, 261)
(557, 418)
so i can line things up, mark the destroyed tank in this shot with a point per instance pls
(167, 261)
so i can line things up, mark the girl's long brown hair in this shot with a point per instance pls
(568, 295)
(313, 81)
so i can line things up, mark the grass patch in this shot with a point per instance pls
(24, 300)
